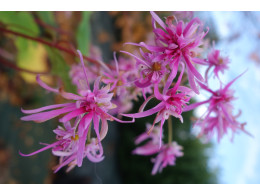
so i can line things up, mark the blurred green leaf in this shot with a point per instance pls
(83, 33)
(47, 17)
(22, 22)
(60, 68)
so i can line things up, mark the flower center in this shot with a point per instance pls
(156, 66)
(119, 83)
(75, 138)
(220, 61)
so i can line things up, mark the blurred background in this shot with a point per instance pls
(45, 42)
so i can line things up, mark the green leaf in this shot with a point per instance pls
(22, 22)
(60, 68)
(83, 33)
(47, 17)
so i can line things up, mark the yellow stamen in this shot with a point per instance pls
(156, 66)
(220, 60)
(119, 83)
(75, 138)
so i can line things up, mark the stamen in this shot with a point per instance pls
(75, 138)
(156, 66)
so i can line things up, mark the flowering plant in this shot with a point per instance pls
(160, 72)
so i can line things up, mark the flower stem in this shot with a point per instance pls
(13, 66)
(50, 44)
(170, 129)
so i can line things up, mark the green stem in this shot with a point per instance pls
(170, 129)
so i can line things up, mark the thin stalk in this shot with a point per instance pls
(13, 66)
(170, 129)
(50, 44)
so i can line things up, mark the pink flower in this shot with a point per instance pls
(77, 74)
(167, 156)
(218, 117)
(88, 106)
(151, 146)
(177, 43)
(216, 61)
(151, 71)
(172, 103)
(92, 151)
(219, 125)
(67, 147)
(119, 79)
(67, 142)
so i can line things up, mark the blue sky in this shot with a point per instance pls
(239, 161)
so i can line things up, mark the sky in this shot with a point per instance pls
(239, 161)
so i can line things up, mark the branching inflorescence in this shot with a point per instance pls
(157, 72)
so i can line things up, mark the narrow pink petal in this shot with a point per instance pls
(146, 150)
(157, 163)
(177, 84)
(46, 108)
(116, 62)
(70, 96)
(152, 48)
(81, 147)
(41, 150)
(172, 75)
(157, 19)
(192, 82)
(72, 115)
(141, 138)
(200, 61)
(137, 58)
(195, 105)
(67, 161)
(161, 132)
(96, 125)
(94, 159)
(44, 85)
(118, 120)
(104, 129)
(149, 112)
(231, 82)
(179, 28)
(158, 95)
(228, 117)
(143, 92)
(206, 88)
(84, 123)
(130, 43)
(220, 127)
(67, 125)
(96, 84)
(145, 84)
(192, 69)
(44, 116)
(83, 66)
(205, 33)
(163, 34)
(187, 28)
(141, 109)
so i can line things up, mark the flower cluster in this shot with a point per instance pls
(160, 70)
(86, 107)
(166, 154)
